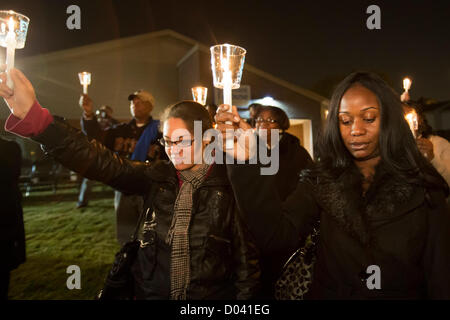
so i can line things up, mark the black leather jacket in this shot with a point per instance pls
(224, 263)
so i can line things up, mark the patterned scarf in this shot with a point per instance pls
(178, 235)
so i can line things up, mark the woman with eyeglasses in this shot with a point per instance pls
(194, 245)
(292, 156)
(384, 220)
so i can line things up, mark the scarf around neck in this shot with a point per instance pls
(178, 234)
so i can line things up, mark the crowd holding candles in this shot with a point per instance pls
(376, 195)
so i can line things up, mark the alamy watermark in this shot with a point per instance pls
(74, 20)
(374, 20)
(374, 280)
(74, 280)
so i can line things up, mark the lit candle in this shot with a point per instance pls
(227, 93)
(199, 94)
(411, 117)
(10, 50)
(227, 62)
(85, 80)
(227, 79)
(407, 84)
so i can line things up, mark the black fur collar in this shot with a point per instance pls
(342, 198)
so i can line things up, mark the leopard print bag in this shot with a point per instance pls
(296, 277)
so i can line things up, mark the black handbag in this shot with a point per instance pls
(296, 278)
(119, 283)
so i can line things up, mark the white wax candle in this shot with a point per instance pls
(227, 85)
(10, 51)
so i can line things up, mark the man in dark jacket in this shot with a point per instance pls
(136, 140)
(12, 234)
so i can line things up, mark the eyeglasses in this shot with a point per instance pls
(268, 120)
(180, 143)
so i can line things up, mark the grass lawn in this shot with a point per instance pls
(59, 235)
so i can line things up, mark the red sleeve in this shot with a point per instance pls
(34, 123)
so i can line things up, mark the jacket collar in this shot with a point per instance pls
(387, 198)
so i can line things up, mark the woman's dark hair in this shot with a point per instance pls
(397, 146)
(189, 111)
(424, 129)
(256, 106)
(278, 114)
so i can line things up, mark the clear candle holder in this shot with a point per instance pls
(411, 118)
(85, 80)
(19, 22)
(199, 94)
(227, 64)
(227, 58)
(13, 33)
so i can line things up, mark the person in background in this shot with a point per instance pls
(253, 111)
(293, 158)
(12, 233)
(105, 117)
(136, 140)
(106, 121)
(435, 148)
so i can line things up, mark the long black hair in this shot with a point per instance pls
(397, 146)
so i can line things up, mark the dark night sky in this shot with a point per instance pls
(310, 43)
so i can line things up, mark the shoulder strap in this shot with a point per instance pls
(149, 204)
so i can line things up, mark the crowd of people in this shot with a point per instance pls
(375, 193)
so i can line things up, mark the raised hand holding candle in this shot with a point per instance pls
(13, 31)
(85, 80)
(227, 62)
(199, 94)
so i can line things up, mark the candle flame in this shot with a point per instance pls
(407, 84)
(411, 117)
(226, 64)
(11, 24)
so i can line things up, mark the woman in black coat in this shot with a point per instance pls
(292, 156)
(194, 245)
(384, 222)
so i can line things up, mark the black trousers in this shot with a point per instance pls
(4, 284)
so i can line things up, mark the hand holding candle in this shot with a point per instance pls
(85, 80)
(227, 62)
(13, 30)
